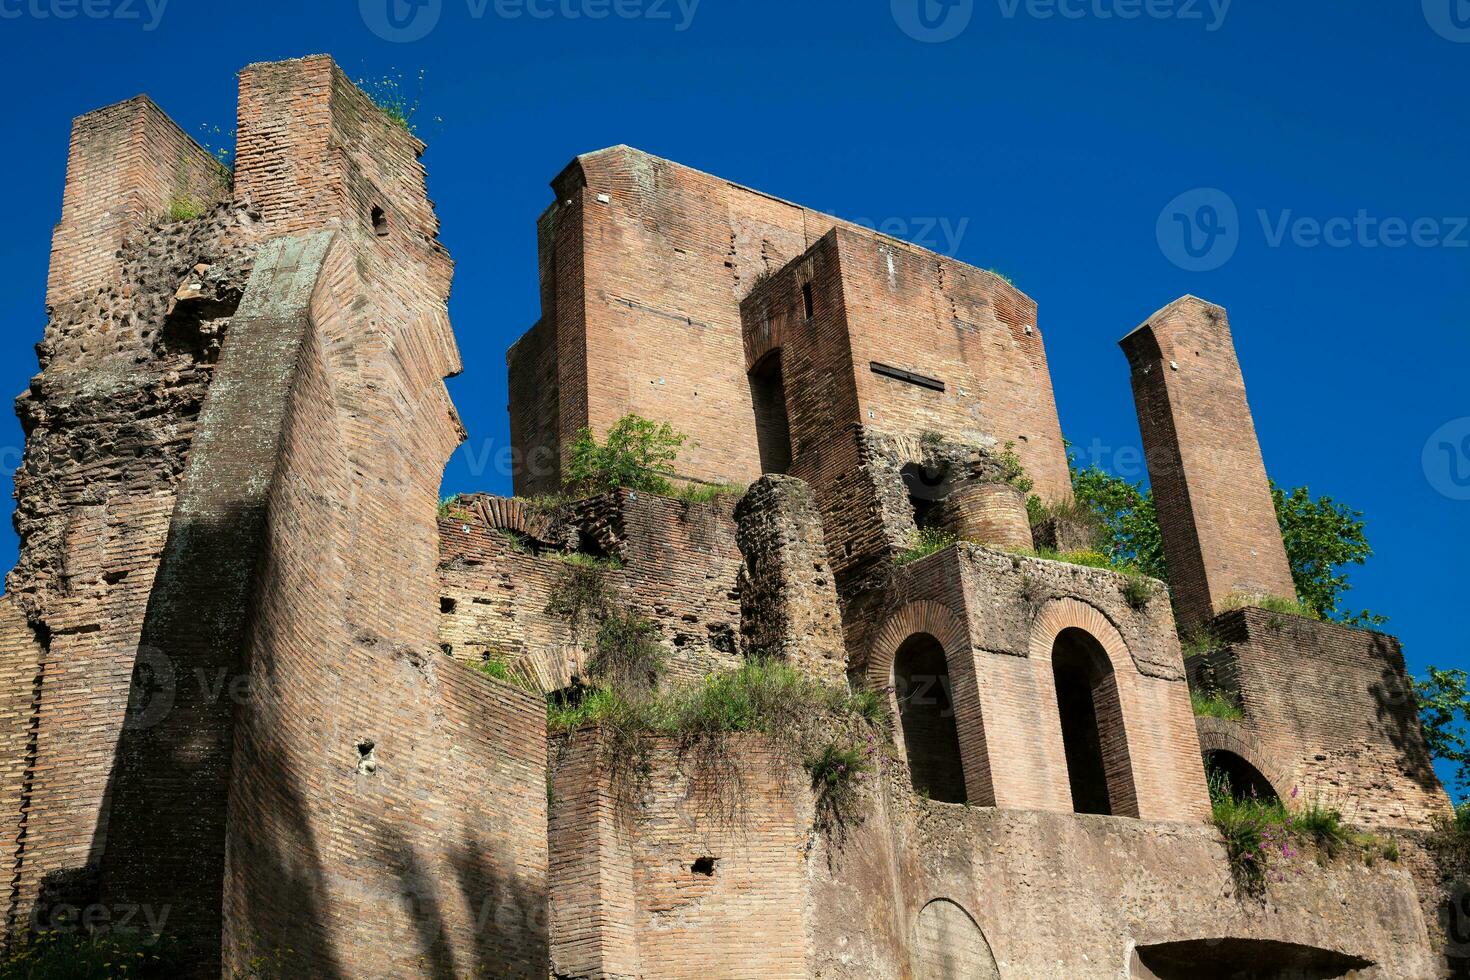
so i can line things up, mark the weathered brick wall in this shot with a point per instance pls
(531, 364)
(997, 617)
(1219, 525)
(126, 361)
(128, 163)
(1329, 713)
(988, 513)
(20, 665)
(788, 594)
(645, 264)
(679, 568)
(961, 330)
(631, 896)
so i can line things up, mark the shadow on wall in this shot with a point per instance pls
(1398, 714)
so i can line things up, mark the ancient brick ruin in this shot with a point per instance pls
(239, 645)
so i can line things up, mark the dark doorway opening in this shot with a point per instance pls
(772, 430)
(931, 738)
(1098, 767)
(1230, 774)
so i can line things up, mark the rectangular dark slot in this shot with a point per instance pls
(899, 374)
(807, 301)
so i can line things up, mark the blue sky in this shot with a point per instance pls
(1068, 143)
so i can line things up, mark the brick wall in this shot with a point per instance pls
(644, 267)
(128, 163)
(1219, 525)
(1331, 712)
(706, 873)
(679, 568)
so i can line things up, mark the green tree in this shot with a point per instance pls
(638, 455)
(1322, 537)
(1444, 710)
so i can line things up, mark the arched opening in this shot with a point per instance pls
(1231, 775)
(931, 738)
(949, 945)
(772, 431)
(927, 486)
(1098, 767)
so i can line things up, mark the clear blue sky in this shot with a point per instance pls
(1047, 147)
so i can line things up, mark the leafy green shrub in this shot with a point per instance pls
(627, 656)
(1013, 471)
(638, 455)
(923, 543)
(1215, 704)
(836, 773)
(1138, 589)
(82, 956)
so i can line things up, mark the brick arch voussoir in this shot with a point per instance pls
(920, 616)
(1225, 735)
(1068, 613)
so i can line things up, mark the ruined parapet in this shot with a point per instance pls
(129, 164)
(986, 513)
(1221, 536)
(788, 595)
(1330, 716)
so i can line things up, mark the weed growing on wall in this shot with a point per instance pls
(70, 954)
(400, 100)
(637, 455)
(1215, 704)
(923, 543)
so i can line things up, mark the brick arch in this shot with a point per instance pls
(920, 616)
(1224, 735)
(948, 942)
(1061, 614)
(1109, 696)
(511, 515)
(927, 617)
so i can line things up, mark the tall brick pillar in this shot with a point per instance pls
(1220, 532)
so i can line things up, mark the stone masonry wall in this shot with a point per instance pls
(1329, 715)
(678, 567)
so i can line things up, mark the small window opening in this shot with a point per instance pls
(704, 866)
(931, 737)
(772, 427)
(367, 763)
(808, 303)
(380, 222)
(446, 604)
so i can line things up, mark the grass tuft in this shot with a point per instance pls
(1215, 704)
(923, 543)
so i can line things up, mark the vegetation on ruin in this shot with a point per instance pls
(451, 509)
(828, 729)
(182, 207)
(1198, 642)
(1215, 704)
(1265, 838)
(1444, 711)
(923, 543)
(498, 666)
(1001, 275)
(1013, 471)
(400, 101)
(1270, 603)
(81, 955)
(637, 455)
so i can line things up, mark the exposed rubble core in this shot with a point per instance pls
(256, 675)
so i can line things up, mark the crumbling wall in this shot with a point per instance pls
(673, 563)
(1329, 713)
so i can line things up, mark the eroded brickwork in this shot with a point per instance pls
(1329, 715)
